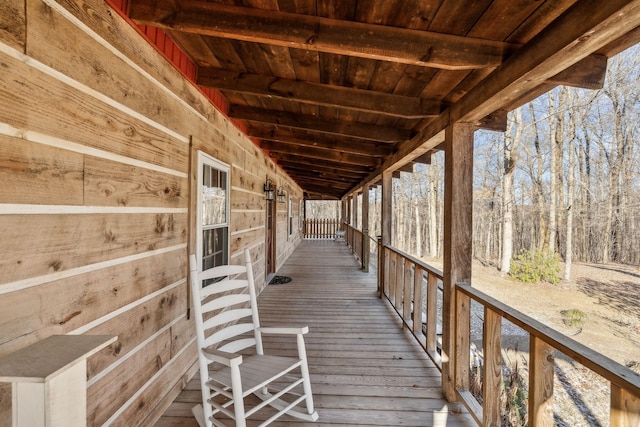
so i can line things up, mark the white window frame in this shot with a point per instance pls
(206, 160)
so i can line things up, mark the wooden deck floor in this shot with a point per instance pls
(365, 370)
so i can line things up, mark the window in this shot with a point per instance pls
(213, 212)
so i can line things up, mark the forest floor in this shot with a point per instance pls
(609, 295)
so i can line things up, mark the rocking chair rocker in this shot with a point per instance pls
(228, 377)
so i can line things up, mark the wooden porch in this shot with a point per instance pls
(365, 369)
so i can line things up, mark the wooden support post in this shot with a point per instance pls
(540, 383)
(385, 226)
(625, 408)
(458, 204)
(366, 245)
(492, 377)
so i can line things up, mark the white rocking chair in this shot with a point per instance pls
(227, 307)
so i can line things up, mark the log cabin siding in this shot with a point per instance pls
(98, 135)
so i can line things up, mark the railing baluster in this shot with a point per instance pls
(492, 377)
(392, 277)
(387, 267)
(625, 408)
(408, 295)
(399, 282)
(432, 314)
(540, 383)
(417, 300)
(462, 331)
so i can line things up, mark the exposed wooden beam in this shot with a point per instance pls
(496, 121)
(581, 30)
(424, 159)
(319, 153)
(313, 139)
(324, 176)
(318, 182)
(413, 47)
(324, 190)
(318, 94)
(320, 170)
(317, 124)
(588, 73)
(584, 28)
(312, 161)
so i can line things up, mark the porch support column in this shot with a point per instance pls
(385, 229)
(365, 228)
(458, 202)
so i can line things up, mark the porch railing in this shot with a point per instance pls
(625, 384)
(414, 290)
(320, 228)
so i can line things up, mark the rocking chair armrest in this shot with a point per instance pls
(284, 330)
(224, 357)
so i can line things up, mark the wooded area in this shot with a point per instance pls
(563, 178)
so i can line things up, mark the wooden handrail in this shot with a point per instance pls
(598, 363)
(401, 280)
(416, 261)
(625, 384)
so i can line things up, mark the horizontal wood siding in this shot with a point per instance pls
(98, 133)
(13, 28)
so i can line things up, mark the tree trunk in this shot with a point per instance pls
(553, 195)
(511, 143)
(433, 208)
(568, 257)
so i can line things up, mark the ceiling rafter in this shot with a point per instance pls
(318, 94)
(314, 123)
(312, 139)
(313, 162)
(319, 153)
(401, 45)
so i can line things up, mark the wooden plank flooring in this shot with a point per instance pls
(365, 370)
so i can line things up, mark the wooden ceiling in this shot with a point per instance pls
(337, 91)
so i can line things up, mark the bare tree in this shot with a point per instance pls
(512, 140)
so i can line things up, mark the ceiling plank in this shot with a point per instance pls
(407, 46)
(319, 153)
(311, 139)
(317, 124)
(318, 94)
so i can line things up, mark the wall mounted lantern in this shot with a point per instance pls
(282, 196)
(269, 190)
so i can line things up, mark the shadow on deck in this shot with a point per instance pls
(365, 369)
